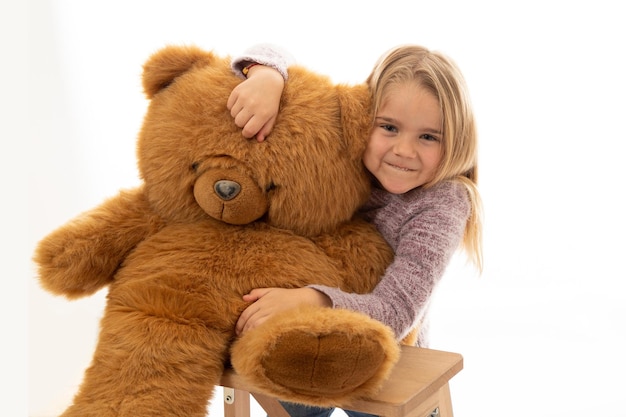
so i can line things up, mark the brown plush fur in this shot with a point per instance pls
(177, 259)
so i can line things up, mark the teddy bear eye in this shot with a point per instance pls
(270, 187)
(195, 166)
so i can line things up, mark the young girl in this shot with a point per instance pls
(422, 154)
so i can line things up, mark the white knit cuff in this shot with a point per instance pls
(265, 54)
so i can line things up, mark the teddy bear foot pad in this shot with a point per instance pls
(317, 365)
(304, 364)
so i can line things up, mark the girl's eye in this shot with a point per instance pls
(430, 138)
(389, 128)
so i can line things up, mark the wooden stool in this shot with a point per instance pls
(417, 386)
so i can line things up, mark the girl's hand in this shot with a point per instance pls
(267, 302)
(254, 102)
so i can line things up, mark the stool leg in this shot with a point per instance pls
(445, 401)
(236, 403)
(272, 407)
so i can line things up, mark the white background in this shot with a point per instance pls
(541, 331)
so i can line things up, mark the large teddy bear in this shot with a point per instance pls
(216, 216)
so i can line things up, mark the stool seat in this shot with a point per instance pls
(417, 386)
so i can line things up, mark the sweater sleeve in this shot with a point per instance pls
(426, 238)
(266, 54)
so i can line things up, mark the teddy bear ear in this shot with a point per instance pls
(168, 63)
(356, 116)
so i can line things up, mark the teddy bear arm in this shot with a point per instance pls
(82, 256)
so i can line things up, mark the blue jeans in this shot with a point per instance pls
(300, 410)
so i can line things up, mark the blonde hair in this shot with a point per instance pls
(440, 75)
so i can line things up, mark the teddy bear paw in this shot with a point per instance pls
(319, 357)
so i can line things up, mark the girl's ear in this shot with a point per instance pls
(165, 65)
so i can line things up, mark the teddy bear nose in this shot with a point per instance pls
(226, 189)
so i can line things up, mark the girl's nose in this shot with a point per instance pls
(404, 147)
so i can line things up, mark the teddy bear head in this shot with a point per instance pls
(307, 176)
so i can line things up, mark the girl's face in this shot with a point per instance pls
(405, 146)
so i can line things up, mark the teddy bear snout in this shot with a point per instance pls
(230, 195)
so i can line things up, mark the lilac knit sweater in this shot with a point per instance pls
(424, 227)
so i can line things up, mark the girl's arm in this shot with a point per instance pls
(254, 103)
(423, 247)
